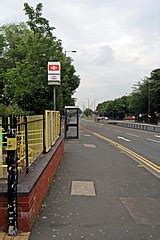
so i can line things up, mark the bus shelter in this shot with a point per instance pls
(71, 122)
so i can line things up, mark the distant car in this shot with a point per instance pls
(99, 118)
(106, 118)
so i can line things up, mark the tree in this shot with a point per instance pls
(139, 98)
(36, 22)
(145, 98)
(28, 48)
(88, 112)
(2, 63)
(154, 89)
(116, 108)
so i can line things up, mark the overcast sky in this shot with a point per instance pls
(117, 41)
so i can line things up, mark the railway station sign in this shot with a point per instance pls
(54, 67)
(54, 73)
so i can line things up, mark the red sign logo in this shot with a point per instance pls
(53, 67)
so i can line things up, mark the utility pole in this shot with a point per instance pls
(149, 102)
(95, 104)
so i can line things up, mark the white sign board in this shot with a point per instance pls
(54, 67)
(55, 77)
(53, 83)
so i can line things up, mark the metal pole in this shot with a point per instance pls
(94, 105)
(148, 101)
(54, 98)
(77, 123)
(12, 169)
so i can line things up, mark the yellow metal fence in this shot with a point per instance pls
(35, 134)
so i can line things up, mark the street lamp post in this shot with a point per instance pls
(95, 104)
(149, 102)
(73, 51)
(1, 34)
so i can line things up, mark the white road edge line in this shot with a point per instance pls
(152, 140)
(132, 134)
(157, 136)
(125, 139)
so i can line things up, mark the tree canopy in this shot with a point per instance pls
(144, 101)
(27, 48)
(88, 112)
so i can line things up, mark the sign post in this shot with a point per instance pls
(54, 78)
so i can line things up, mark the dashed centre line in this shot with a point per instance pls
(152, 140)
(158, 136)
(125, 139)
(132, 134)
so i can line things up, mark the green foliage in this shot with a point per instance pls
(2, 109)
(114, 108)
(155, 90)
(12, 110)
(144, 100)
(36, 22)
(27, 50)
(88, 112)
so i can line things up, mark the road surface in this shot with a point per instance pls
(144, 143)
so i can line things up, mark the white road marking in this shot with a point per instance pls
(157, 136)
(132, 134)
(87, 135)
(117, 131)
(125, 139)
(152, 140)
(139, 165)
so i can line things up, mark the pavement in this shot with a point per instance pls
(99, 193)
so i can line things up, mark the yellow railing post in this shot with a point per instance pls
(1, 152)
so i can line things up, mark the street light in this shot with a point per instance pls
(73, 51)
(149, 102)
(1, 34)
(95, 104)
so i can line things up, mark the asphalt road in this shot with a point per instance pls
(142, 142)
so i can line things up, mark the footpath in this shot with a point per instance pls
(99, 193)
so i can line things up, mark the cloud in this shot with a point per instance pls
(104, 57)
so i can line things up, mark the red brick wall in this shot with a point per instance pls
(29, 206)
(3, 213)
